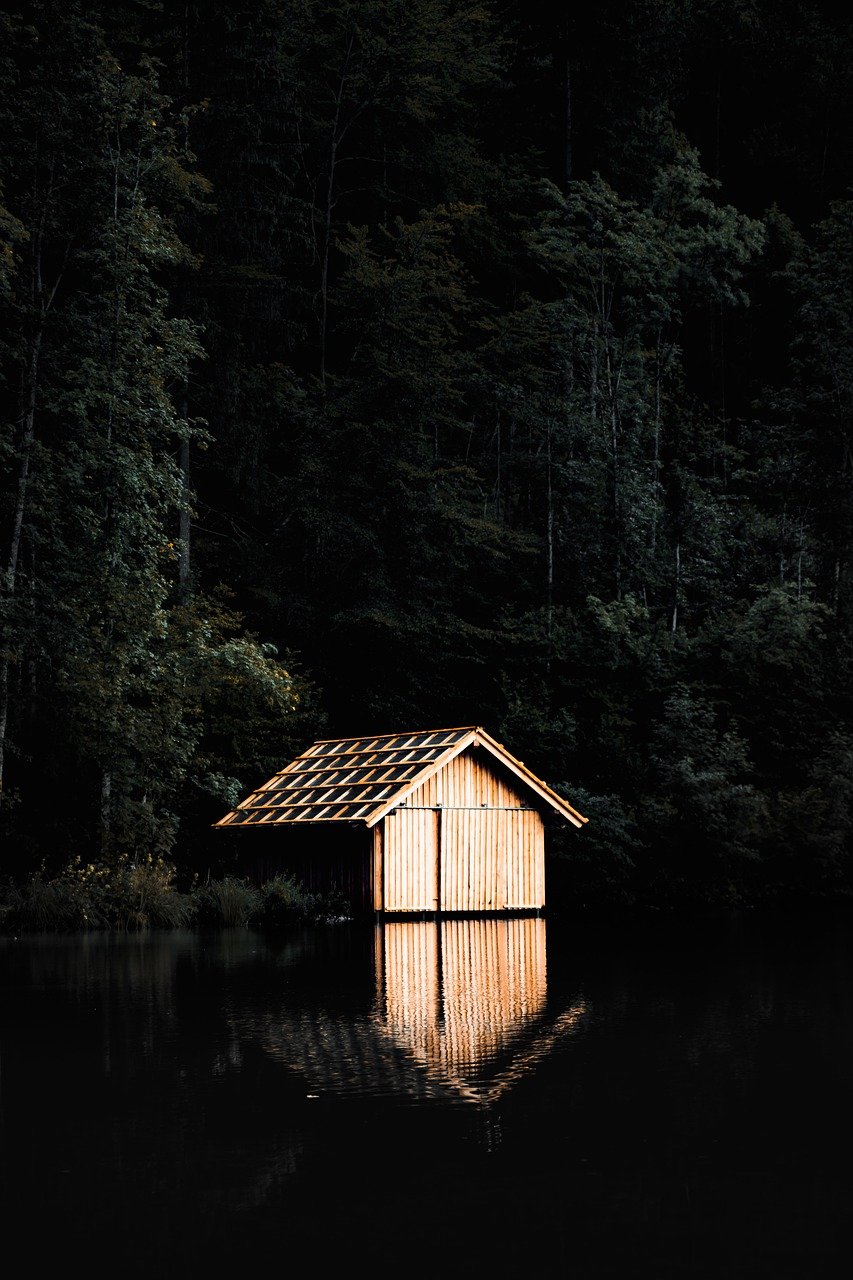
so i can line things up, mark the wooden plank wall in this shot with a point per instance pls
(482, 851)
(411, 847)
(492, 860)
(469, 779)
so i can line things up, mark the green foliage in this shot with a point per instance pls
(124, 894)
(139, 894)
(149, 683)
(597, 864)
(149, 887)
(12, 235)
(284, 901)
(701, 799)
(229, 902)
(375, 365)
(46, 906)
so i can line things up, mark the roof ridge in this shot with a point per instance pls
(399, 733)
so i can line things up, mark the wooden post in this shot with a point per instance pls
(438, 835)
(378, 868)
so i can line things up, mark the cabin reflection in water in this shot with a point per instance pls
(467, 998)
(460, 1013)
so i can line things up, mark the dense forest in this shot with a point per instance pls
(372, 365)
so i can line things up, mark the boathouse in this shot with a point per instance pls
(443, 820)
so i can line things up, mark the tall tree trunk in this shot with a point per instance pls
(11, 572)
(334, 143)
(27, 441)
(106, 809)
(616, 495)
(324, 270)
(184, 513)
(184, 521)
(561, 70)
(656, 456)
(722, 376)
(567, 154)
(676, 588)
(549, 593)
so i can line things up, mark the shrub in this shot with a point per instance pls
(227, 902)
(283, 900)
(136, 894)
(43, 905)
(122, 894)
(147, 896)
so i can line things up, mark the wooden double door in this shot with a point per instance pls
(462, 859)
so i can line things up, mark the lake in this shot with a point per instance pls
(658, 1096)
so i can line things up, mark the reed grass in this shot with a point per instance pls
(228, 902)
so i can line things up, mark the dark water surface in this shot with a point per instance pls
(667, 1098)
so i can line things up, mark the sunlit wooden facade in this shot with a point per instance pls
(431, 822)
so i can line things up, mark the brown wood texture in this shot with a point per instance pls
(465, 841)
(411, 840)
(484, 743)
(411, 982)
(378, 860)
(461, 1013)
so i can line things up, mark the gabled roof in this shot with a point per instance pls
(361, 779)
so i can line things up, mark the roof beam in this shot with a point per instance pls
(454, 749)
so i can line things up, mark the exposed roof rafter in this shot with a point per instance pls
(362, 779)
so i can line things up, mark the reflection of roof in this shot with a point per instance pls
(360, 779)
(347, 1055)
(532, 1042)
(460, 1013)
(364, 1055)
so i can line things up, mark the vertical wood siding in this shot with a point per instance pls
(411, 846)
(377, 867)
(481, 851)
(492, 860)
(469, 780)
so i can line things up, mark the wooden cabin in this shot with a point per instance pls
(443, 820)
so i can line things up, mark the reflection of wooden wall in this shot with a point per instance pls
(408, 974)
(463, 842)
(459, 992)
